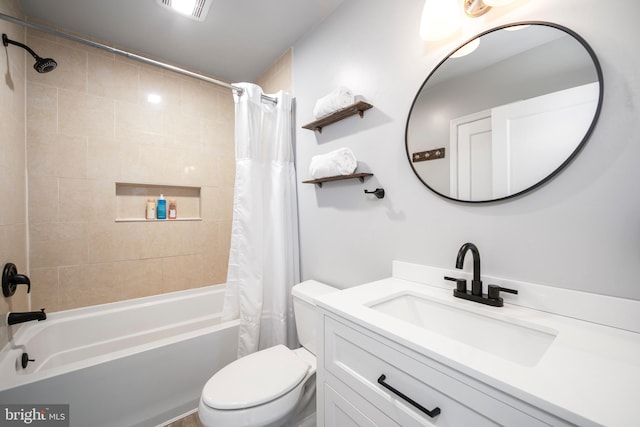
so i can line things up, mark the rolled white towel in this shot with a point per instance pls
(333, 101)
(335, 163)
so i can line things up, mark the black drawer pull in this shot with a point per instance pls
(432, 413)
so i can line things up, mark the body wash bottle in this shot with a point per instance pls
(161, 210)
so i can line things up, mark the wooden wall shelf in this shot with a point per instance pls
(319, 181)
(358, 108)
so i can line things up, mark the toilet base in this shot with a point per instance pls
(305, 418)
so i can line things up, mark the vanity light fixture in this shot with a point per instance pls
(497, 3)
(441, 18)
(475, 8)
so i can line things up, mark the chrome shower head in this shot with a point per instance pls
(42, 65)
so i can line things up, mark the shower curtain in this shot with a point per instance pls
(263, 260)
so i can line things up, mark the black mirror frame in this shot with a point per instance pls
(568, 160)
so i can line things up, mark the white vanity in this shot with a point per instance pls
(548, 357)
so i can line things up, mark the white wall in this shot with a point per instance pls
(581, 230)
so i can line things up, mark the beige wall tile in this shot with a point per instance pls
(136, 120)
(113, 79)
(110, 241)
(180, 129)
(14, 211)
(57, 244)
(102, 206)
(89, 284)
(85, 115)
(139, 278)
(13, 228)
(93, 127)
(200, 99)
(44, 289)
(57, 155)
(182, 272)
(74, 200)
(167, 87)
(43, 199)
(103, 158)
(42, 108)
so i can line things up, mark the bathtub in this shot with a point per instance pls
(140, 362)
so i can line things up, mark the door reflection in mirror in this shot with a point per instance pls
(511, 114)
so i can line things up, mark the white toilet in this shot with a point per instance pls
(272, 387)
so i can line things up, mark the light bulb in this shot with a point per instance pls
(440, 19)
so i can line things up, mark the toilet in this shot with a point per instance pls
(273, 387)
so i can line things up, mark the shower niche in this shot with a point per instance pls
(131, 201)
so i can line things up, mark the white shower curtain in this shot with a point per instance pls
(263, 261)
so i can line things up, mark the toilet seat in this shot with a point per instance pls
(255, 379)
(277, 377)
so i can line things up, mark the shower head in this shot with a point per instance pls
(42, 65)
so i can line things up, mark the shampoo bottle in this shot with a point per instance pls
(161, 210)
(151, 209)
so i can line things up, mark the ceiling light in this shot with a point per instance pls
(194, 9)
(183, 6)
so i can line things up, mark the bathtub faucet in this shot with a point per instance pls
(11, 279)
(15, 318)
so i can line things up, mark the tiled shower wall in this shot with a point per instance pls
(278, 76)
(13, 220)
(89, 125)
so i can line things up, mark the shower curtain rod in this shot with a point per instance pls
(130, 55)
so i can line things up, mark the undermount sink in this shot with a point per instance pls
(514, 340)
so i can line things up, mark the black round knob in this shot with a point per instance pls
(25, 360)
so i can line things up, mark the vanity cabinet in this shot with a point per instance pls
(351, 359)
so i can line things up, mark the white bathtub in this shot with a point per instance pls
(141, 362)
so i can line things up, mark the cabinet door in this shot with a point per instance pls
(349, 410)
(359, 360)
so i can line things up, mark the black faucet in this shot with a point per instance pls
(11, 279)
(15, 318)
(476, 283)
(492, 297)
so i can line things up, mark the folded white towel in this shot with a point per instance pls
(333, 101)
(335, 163)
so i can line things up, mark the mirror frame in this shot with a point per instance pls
(566, 162)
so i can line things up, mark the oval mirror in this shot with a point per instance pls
(504, 113)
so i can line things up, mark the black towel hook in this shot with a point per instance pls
(378, 192)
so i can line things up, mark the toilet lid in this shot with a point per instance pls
(255, 379)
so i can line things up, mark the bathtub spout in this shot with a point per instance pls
(15, 318)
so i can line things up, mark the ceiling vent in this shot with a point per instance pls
(194, 9)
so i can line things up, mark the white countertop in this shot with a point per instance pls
(590, 374)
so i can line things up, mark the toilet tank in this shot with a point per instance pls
(304, 306)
